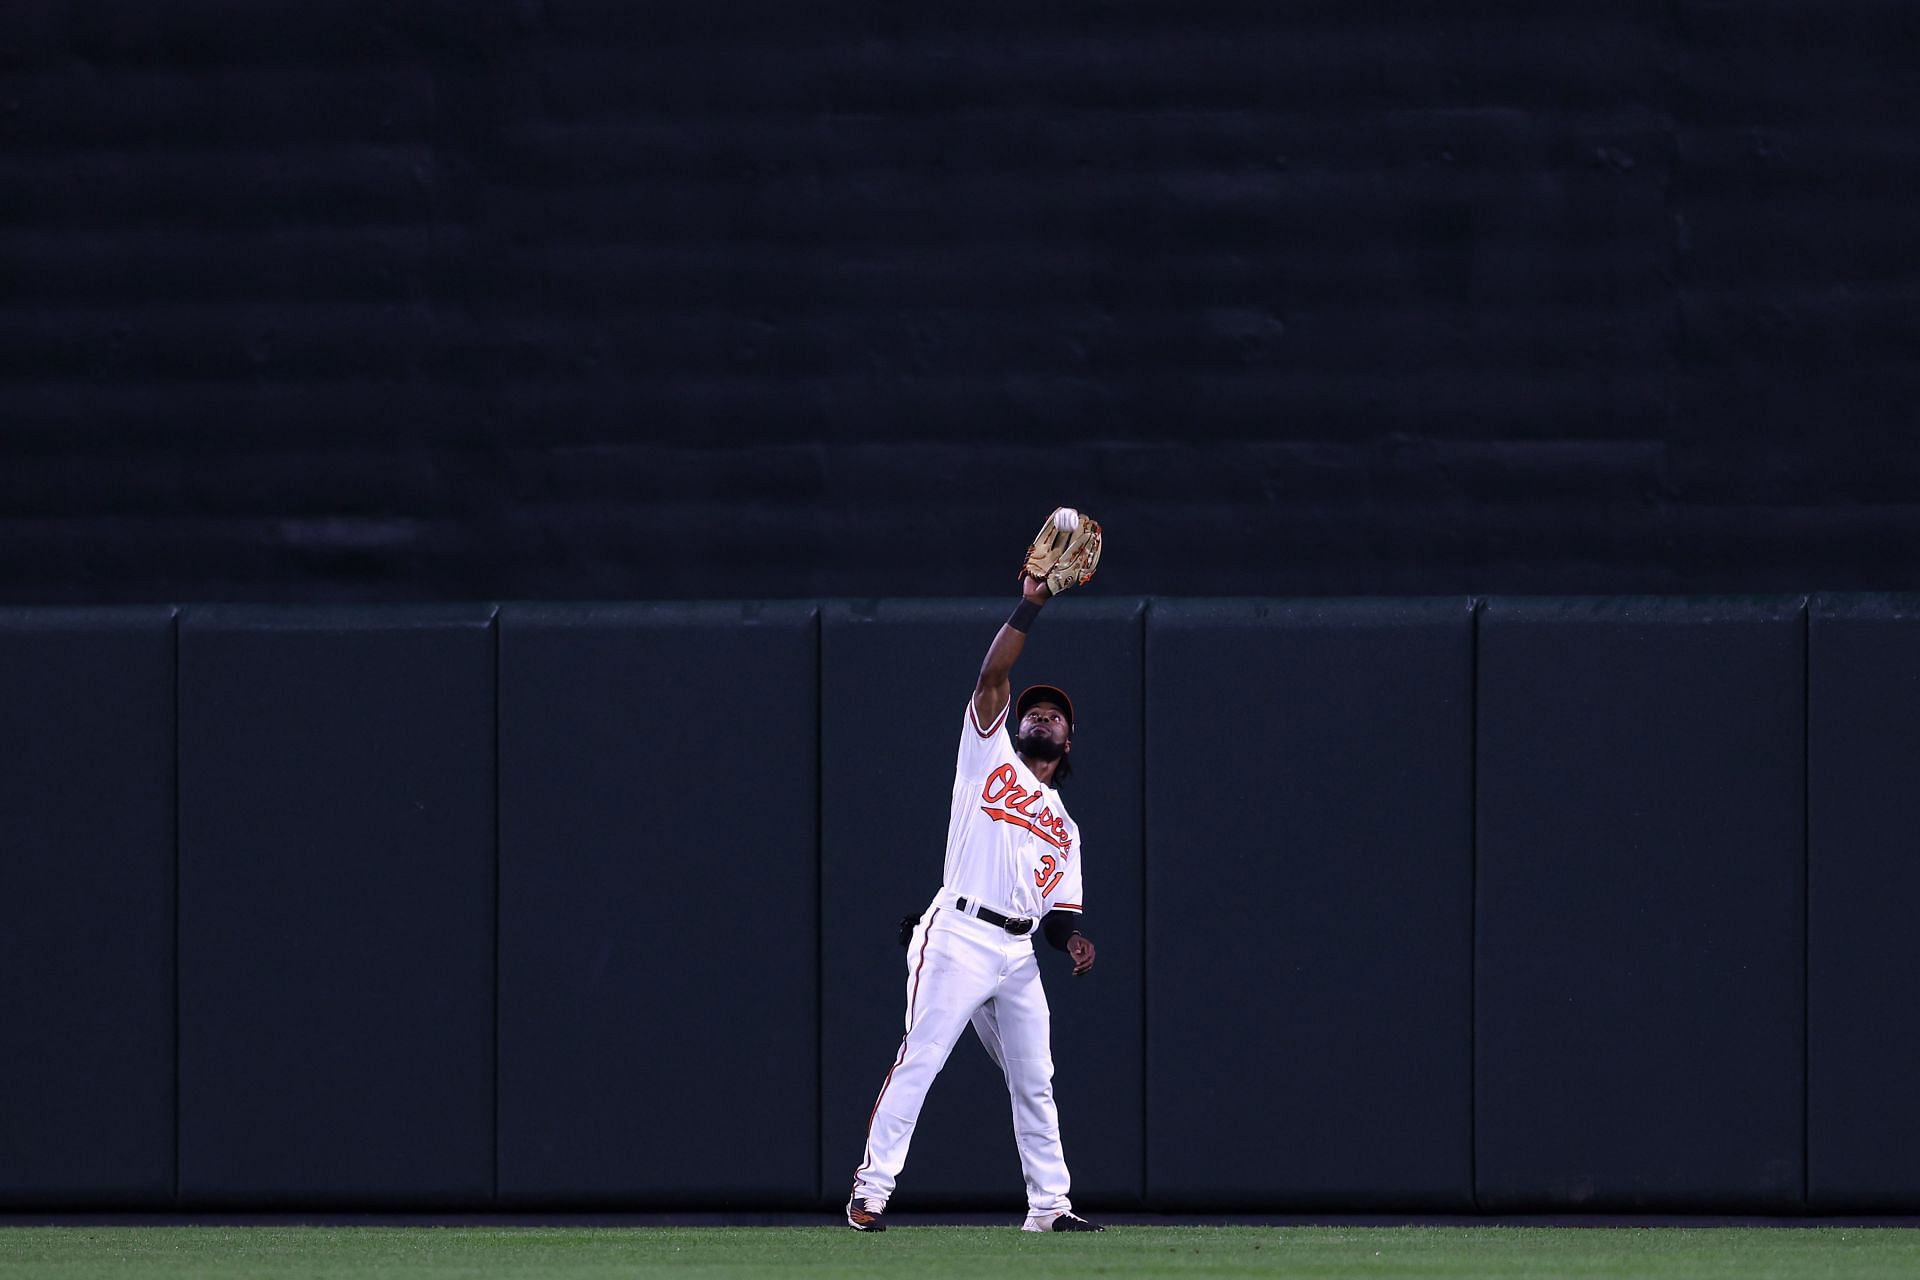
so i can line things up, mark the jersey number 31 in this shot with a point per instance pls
(1047, 874)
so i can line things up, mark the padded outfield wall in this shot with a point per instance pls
(1423, 904)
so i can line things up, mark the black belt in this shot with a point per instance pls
(1018, 926)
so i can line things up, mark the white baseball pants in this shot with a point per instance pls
(962, 970)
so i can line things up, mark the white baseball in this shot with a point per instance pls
(1066, 519)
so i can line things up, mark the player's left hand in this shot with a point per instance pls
(1081, 950)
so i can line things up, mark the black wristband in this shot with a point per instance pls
(1060, 926)
(1023, 615)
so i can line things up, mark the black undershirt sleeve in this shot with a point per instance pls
(1060, 925)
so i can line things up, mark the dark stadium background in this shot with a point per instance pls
(500, 505)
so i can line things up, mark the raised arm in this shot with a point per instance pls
(1064, 554)
(993, 689)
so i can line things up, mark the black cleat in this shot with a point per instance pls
(866, 1215)
(1068, 1221)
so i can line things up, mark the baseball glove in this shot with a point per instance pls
(1066, 551)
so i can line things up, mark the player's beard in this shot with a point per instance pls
(1038, 746)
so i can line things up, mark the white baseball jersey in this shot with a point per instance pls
(1011, 845)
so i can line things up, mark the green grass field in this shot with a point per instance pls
(935, 1253)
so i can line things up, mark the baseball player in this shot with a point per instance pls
(1012, 869)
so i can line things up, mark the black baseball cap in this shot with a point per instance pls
(1043, 693)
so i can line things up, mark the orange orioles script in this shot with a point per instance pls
(1017, 806)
